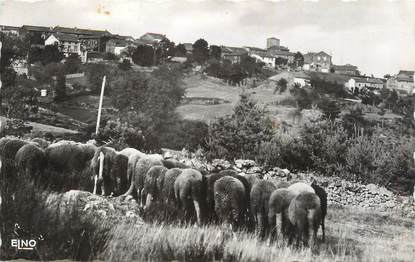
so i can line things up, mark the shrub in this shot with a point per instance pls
(238, 135)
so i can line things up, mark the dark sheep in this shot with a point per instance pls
(140, 170)
(304, 214)
(68, 156)
(133, 156)
(252, 179)
(210, 202)
(190, 187)
(259, 200)
(168, 185)
(114, 171)
(230, 201)
(153, 184)
(322, 194)
(31, 161)
(10, 149)
(278, 204)
(8, 174)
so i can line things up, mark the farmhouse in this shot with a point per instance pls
(403, 82)
(9, 30)
(233, 54)
(347, 69)
(320, 62)
(152, 38)
(371, 83)
(68, 43)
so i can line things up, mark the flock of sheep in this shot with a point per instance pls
(296, 210)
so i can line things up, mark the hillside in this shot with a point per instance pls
(200, 88)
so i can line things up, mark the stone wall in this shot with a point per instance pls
(340, 192)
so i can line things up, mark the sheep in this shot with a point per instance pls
(304, 213)
(259, 200)
(321, 193)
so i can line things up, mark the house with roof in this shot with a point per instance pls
(320, 62)
(152, 38)
(9, 30)
(38, 33)
(403, 82)
(188, 47)
(256, 51)
(91, 40)
(68, 43)
(372, 83)
(289, 56)
(346, 69)
(300, 78)
(233, 54)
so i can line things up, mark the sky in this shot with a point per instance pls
(378, 36)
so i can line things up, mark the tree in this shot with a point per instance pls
(148, 102)
(60, 87)
(354, 120)
(180, 50)
(238, 135)
(110, 56)
(387, 76)
(94, 74)
(215, 52)
(12, 48)
(214, 68)
(73, 64)
(281, 85)
(249, 65)
(201, 51)
(298, 59)
(281, 61)
(125, 65)
(51, 54)
(329, 108)
(143, 55)
(21, 99)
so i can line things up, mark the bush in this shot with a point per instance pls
(238, 135)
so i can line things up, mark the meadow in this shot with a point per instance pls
(351, 235)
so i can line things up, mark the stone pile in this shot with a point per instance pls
(340, 192)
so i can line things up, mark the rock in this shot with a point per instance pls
(254, 170)
(385, 192)
(244, 163)
(372, 189)
(221, 164)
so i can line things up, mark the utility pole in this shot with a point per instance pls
(101, 98)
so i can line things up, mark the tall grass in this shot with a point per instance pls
(352, 235)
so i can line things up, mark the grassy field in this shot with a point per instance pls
(209, 87)
(352, 235)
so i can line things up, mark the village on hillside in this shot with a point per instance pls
(93, 46)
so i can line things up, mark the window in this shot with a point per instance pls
(325, 58)
(318, 58)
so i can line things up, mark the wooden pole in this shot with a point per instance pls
(101, 98)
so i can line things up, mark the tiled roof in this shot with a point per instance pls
(233, 50)
(80, 31)
(252, 48)
(345, 67)
(280, 53)
(9, 27)
(36, 28)
(372, 80)
(66, 37)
